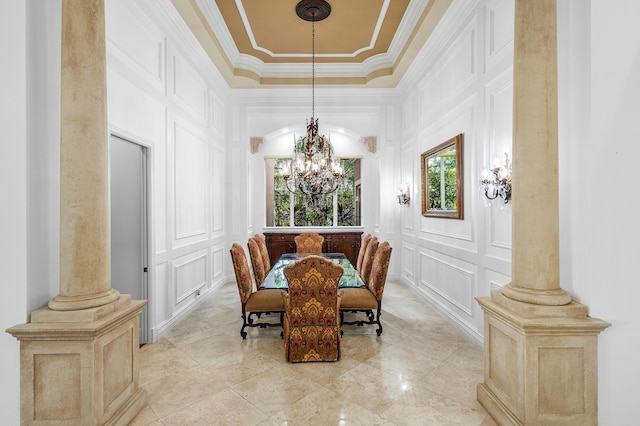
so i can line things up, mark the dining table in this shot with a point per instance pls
(276, 279)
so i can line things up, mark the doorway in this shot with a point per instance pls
(129, 222)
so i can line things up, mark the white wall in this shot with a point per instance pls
(461, 82)
(598, 66)
(13, 187)
(164, 93)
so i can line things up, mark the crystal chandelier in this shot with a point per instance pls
(313, 170)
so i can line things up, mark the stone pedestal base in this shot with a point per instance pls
(81, 367)
(540, 363)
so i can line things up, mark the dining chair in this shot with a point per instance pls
(363, 249)
(312, 310)
(259, 272)
(309, 242)
(367, 260)
(263, 301)
(264, 253)
(369, 298)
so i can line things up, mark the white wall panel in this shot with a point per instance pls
(189, 88)
(218, 188)
(408, 177)
(216, 113)
(453, 73)
(496, 280)
(190, 165)
(135, 42)
(249, 194)
(160, 308)
(449, 280)
(190, 274)
(499, 124)
(499, 15)
(408, 254)
(217, 263)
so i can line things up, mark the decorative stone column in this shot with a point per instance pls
(540, 347)
(79, 355)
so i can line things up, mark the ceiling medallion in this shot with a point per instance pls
(313, 10)
(313, 170)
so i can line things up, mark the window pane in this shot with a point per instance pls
(313, 211)
(346, 196)
(281, 195)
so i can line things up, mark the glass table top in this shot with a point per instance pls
(276, 279)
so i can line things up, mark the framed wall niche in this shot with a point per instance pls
(442, 180)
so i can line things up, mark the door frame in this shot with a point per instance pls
(146, 327)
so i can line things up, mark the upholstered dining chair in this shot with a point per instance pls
(363, 249)
(264, 253)
(263, 301)
(367, 260)
(312, 310)
(369, 298)
(309, 242)
(259, 272)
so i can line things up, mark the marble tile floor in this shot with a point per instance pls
(421, 371)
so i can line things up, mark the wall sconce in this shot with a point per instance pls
(403, 194)
(496, 183)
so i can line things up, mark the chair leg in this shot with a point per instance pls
(379, 330)
(243, 333)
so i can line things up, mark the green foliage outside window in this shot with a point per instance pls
(435, 173)
(315, 211)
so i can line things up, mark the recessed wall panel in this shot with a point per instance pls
(448, 280)
(190, 274)
(217, 260)
(499, 18)
(140, 47)
(408, 253)
(452, 73)
(190, 162)
(219, 190)
(189, 88)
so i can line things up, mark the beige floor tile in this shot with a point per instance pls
(369, 387)
(432, 409)
(161, 359)
(323, 407)
(222, 408)
(275, 388)
(420, 371)
(173, 393)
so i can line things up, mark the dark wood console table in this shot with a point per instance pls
(348, 243)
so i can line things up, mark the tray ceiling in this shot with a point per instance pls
(264, 43)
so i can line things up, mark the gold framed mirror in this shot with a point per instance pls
(442, 180)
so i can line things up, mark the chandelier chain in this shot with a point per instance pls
(313, 169)
(313, 68)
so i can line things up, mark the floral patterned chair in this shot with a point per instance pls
(312, 310)
(363, 249)
(309, 242)
(262, 301)
(259, 272)
(264, 253)
(367, 260)
(369, 298)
